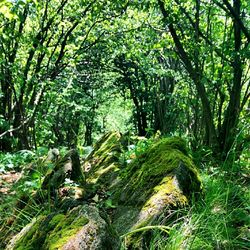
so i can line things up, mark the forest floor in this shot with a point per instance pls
(7, 180)
(221, 220)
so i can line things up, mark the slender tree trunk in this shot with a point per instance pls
(229, 127)
(88, 134)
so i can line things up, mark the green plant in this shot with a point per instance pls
(136, 147)
(15, 161)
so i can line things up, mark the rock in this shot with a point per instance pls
(166, 166)
(82, 228)
(161, 179)
(67, 167)
(53, 155)
(102, 165)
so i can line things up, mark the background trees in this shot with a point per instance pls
(39, 40)
(212, 43)
(181, 68)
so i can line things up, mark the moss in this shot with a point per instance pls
(34, 238)
(51, 232)
(102, 172)
(64, 230)
(104, 160)
(56, 220)
(109, 142)
(167, 192)
(147, 171)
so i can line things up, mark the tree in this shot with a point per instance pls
(227, 62)
(39, 40)
(147, 72)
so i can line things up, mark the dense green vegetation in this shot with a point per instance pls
(72, 70)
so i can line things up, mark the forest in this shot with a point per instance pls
(121, 100)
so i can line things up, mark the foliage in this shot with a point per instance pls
(72, 70)
(15, 161)
(64, 64)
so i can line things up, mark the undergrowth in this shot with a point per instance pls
(21, 176)
(218, 220)
(21, 197)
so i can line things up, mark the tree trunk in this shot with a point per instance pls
(197, 79)
(229, 127)
(88, 140)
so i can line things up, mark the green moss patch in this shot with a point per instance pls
(52, 232)
(110, 142)
(168, 156)
(103, 160)
(64, 230)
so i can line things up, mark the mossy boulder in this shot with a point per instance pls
(164, 177)
(102, 165)
(66, 167)
(164, 167)
(81, 228)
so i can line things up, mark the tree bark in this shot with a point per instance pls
(229, 127)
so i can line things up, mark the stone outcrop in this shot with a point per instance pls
(81, 228)
(117, 200)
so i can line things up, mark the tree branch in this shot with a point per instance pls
(230, 10)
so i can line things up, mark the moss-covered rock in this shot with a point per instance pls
(132, 196)
(66, 167)
(166, 166)
(162, 178)
(102, 166)
(80, 228)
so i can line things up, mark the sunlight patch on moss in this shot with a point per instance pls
(107, 143)
(93, 179)
(64, 230)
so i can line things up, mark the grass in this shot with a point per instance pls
(219, 221)
(17, 207)
(216, 222)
